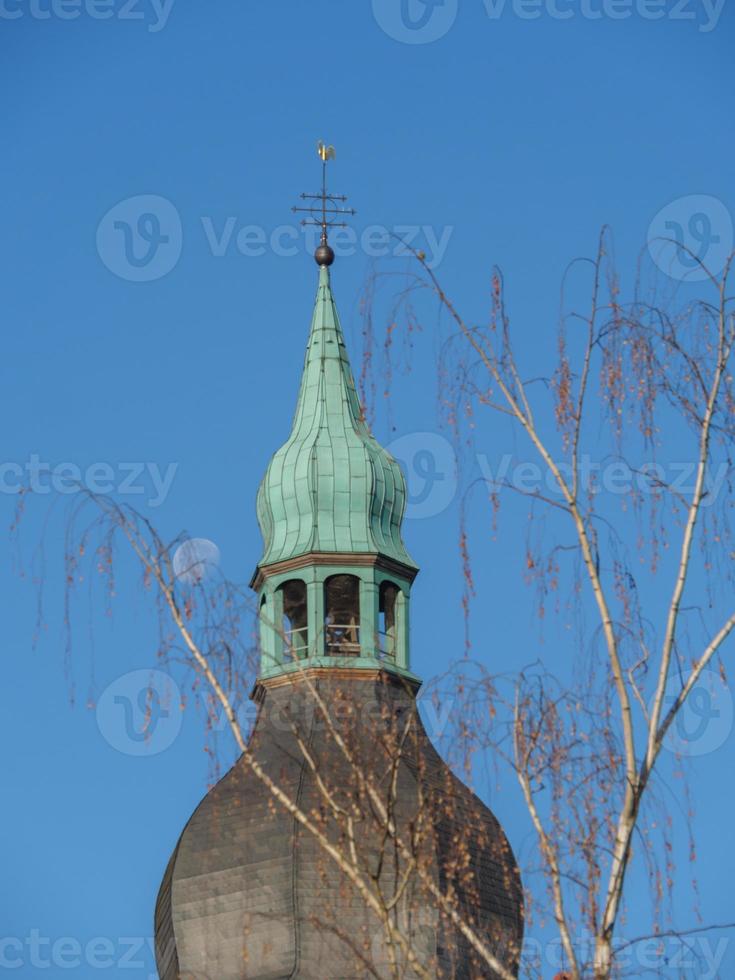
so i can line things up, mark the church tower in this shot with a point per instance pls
(381, 853)
(334, 570)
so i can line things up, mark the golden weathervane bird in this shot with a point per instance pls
(325, 152)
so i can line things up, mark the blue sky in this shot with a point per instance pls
(512, 133)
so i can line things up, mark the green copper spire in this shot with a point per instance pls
(331, 487)
(334, 581)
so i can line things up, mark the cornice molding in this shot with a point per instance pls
(361, 559)
(315, 674)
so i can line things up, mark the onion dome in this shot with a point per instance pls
(331, 487)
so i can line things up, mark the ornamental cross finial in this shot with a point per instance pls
(329, 208)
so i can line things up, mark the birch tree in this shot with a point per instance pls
(644, 385)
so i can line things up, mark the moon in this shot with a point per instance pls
(195, 560)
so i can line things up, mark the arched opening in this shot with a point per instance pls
(387, 619)
(263, 623)
(295, 622)
(342, 616)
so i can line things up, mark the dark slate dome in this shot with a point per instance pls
(249, 893)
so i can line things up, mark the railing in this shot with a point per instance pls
(386, 645)
(295, 644)
(342, 640)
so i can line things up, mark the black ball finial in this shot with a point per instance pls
(324, 254)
